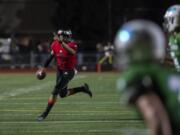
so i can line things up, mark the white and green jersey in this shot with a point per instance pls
(140, 79)
(174, 46)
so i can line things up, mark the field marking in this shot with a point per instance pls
(79, 77)
(72, 121)
(44, 97)
(37, 110)
(25, 90)
(126, 131)
(74, 131)
(69, 131)
(60, 114)
(63, 103)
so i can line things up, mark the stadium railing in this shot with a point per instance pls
(85, 61)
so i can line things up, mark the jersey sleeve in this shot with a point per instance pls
(50, 56)
(48, 60)
(73, 45)
(52, 47)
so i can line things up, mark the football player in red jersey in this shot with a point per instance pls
(63, 49)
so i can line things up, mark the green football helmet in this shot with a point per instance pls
(139, 41)
(172, 18)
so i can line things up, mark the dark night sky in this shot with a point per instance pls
(100, 19)
(90, 20)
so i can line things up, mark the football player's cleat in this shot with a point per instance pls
(87, 90)
(41, 117)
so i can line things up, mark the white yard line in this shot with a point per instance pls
(20, 91)
(68, 131)
(128, 131)
(79, 77)
(103, 95)
(63, 103)
(61, 111)
(59, 114)
(25, 90)
(71, 122)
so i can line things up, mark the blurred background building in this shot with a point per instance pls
(26, 27)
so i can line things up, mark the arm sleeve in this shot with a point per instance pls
(73, 45)
(48, 60)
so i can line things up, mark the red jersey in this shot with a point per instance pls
(64, 60)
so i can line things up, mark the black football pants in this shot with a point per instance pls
(62, 80)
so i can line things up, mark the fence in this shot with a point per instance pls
(85, 61)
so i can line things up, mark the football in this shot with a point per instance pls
(40, 75)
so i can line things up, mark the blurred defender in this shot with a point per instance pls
(64, 50)
(172, 27)
(153, 90)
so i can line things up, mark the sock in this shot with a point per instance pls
(75, 90)
(51, 102)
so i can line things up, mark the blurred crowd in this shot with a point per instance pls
(17, 50)
(26, 51)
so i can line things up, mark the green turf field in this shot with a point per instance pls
(23, 98)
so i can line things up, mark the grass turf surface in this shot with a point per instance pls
(23, 98)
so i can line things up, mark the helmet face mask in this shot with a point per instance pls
(67, 34)
(139, 41)
(172, 18)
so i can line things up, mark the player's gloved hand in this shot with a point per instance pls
(55, 36)
(61, 38)
(42, 69)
